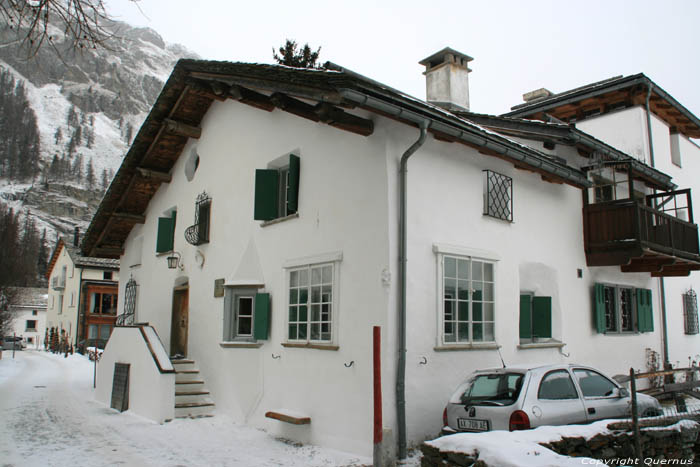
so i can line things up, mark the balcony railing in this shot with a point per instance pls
(58, 283)
(617, 232)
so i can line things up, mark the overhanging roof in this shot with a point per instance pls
(195, 84)
(570, 135)
(611, 94)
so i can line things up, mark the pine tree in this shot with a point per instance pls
(72, 118)
(77, 168)
(300, 58)
(90, 175)
(129, 133)
(105, 180)
(58, 136)
(43, 257)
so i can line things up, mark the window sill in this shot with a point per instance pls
(542, 345)
(279, 219)
(485, 346)
(241, 345)
(310, 346)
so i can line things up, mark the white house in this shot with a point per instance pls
(27, 306)
(260, 212)
(82, 294)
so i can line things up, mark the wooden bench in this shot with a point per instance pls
(293, 418)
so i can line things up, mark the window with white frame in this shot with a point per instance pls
(467, 300)
(311, 294)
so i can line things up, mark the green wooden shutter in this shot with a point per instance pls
(293, 184)
(542, 316)
(266, 192)
(262, 316)
(525, 317)
(645, 315)
(599, 308)
(228, 314)
(164, 240)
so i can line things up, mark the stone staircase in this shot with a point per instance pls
(192, 399)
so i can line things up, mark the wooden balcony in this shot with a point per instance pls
(639, 238)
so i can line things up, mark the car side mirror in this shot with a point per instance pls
(622, 392)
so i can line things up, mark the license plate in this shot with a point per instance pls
(472, 424)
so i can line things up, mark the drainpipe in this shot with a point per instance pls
(662, 288)
(401, 370)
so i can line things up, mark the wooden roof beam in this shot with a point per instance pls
(163, 177)
(182, 129)
(294, 106)
(252, 98)
(114, 252)
(338, 118)
(129, 217)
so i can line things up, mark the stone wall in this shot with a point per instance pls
(678, 441)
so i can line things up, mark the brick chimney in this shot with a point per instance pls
(447, 79)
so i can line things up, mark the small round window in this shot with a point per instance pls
(192, 164)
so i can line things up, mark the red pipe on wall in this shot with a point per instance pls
(377, 369)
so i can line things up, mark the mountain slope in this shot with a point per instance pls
(85, 107)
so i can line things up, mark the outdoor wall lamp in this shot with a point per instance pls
(175, 261)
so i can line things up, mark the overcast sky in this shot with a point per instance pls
(517, 46)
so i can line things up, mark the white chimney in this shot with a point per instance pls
(447, 79)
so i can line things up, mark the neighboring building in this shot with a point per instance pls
(82, 299)
(260, 212)
(27, 306)
(635, 115)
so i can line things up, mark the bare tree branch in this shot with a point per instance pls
(82, 24)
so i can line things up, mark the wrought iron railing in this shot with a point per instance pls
(127, 318)
(198, 233)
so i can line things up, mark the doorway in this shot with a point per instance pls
(179, 326)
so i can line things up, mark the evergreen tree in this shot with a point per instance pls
(290, 55)
(129, 133)
(72, 119)
(90, 138)
(58, 136)
(105, 180)
(42, 262)
(90, 175)
(77, 168)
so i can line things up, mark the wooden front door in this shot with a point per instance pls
(178, 329)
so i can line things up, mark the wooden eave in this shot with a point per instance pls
(176, 117)
(629, 92)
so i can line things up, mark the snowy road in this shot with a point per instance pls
(49, 418)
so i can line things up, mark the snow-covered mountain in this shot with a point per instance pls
(87, 106)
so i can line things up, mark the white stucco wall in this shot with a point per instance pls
(151, 393)
(539, 251)
(348, 203)
(342, 209)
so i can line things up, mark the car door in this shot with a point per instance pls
(558, 401)
(601, 396)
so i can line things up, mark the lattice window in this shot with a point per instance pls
(498, 195)
(690, 312)
(198, 233)
(127, 318)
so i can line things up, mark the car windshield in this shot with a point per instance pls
(495, 389)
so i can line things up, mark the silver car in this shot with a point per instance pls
(13, 343)
(519, 398)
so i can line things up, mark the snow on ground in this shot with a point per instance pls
(49, 418)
